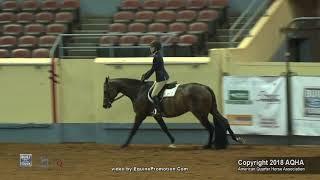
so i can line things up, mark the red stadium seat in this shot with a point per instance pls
(47, 41)
(56, 29)
(175, 4)
(157, 27)
(29, 5)
(50, 5)
(25, 17)
(196, 4)
(64, 17)
(147, 39)
(165, 16)
(34, 29)
(118, 27)
(178, 27)
(187, 45)
(152, 4)
(40, 53)
(8, 41)
(9, 6)
(70, 5)
(128, 40)
(4, 53)
(27, 41)
(21, 53)
(144, 16)
(12, 29)
(123, 16)
(207, 15)
(44, 17)
(109, 40)
(137, 27)
(130, 5)
(186, 15)
(198, 27)
(7, 17)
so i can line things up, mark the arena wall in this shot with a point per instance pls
(25, 91)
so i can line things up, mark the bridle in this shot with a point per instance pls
(109, 101)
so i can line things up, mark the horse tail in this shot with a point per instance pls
(221, 140)
(223, 121)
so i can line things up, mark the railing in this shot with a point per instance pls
(61, 38)
(257, 8)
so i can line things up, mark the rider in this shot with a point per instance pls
(161, 75)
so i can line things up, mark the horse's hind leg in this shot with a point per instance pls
(203, 118)
(164, 128)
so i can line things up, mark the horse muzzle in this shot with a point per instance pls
(107, 105)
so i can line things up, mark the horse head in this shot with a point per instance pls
(109, 93)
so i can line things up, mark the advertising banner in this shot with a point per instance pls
(256, 105)
(305, 95)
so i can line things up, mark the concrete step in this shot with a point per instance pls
(226, 32)
(214, 45)
(99, 27)
(104, 20)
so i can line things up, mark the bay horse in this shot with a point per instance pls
(192, 97)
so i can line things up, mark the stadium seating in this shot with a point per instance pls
(194, 21)
(31, 24)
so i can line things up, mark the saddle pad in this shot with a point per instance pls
(170, 92)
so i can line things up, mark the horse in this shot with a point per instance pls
(192, 97)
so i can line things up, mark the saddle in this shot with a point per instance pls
(170, 85)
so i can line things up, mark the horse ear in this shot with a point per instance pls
(107, 78)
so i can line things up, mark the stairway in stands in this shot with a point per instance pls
(87, 26)
(223, 34)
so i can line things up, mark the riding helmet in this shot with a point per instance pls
(156, 44)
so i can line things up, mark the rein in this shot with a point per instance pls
(118, 98)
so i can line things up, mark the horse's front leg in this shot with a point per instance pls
(137, 122)
(165, 129)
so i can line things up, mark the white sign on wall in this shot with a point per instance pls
(305, 97)
(256, 105)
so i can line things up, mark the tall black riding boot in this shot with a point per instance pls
(156, 101)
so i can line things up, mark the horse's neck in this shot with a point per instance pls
(129, 90)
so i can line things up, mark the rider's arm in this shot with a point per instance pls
(153, 68)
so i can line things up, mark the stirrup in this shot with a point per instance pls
(154, 112)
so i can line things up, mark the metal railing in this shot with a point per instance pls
(257, 8)
(58, 45)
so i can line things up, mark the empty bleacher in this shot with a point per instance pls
(29, 28)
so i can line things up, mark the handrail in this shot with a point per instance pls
(301, 19)
(241, 17)
(59, 40)
(250, 20)
(54, 47)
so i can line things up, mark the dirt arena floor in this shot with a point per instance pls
(92, 161)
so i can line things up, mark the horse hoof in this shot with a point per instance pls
(124, 146)
(206, 147)
(240, 140)
(172, 146)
